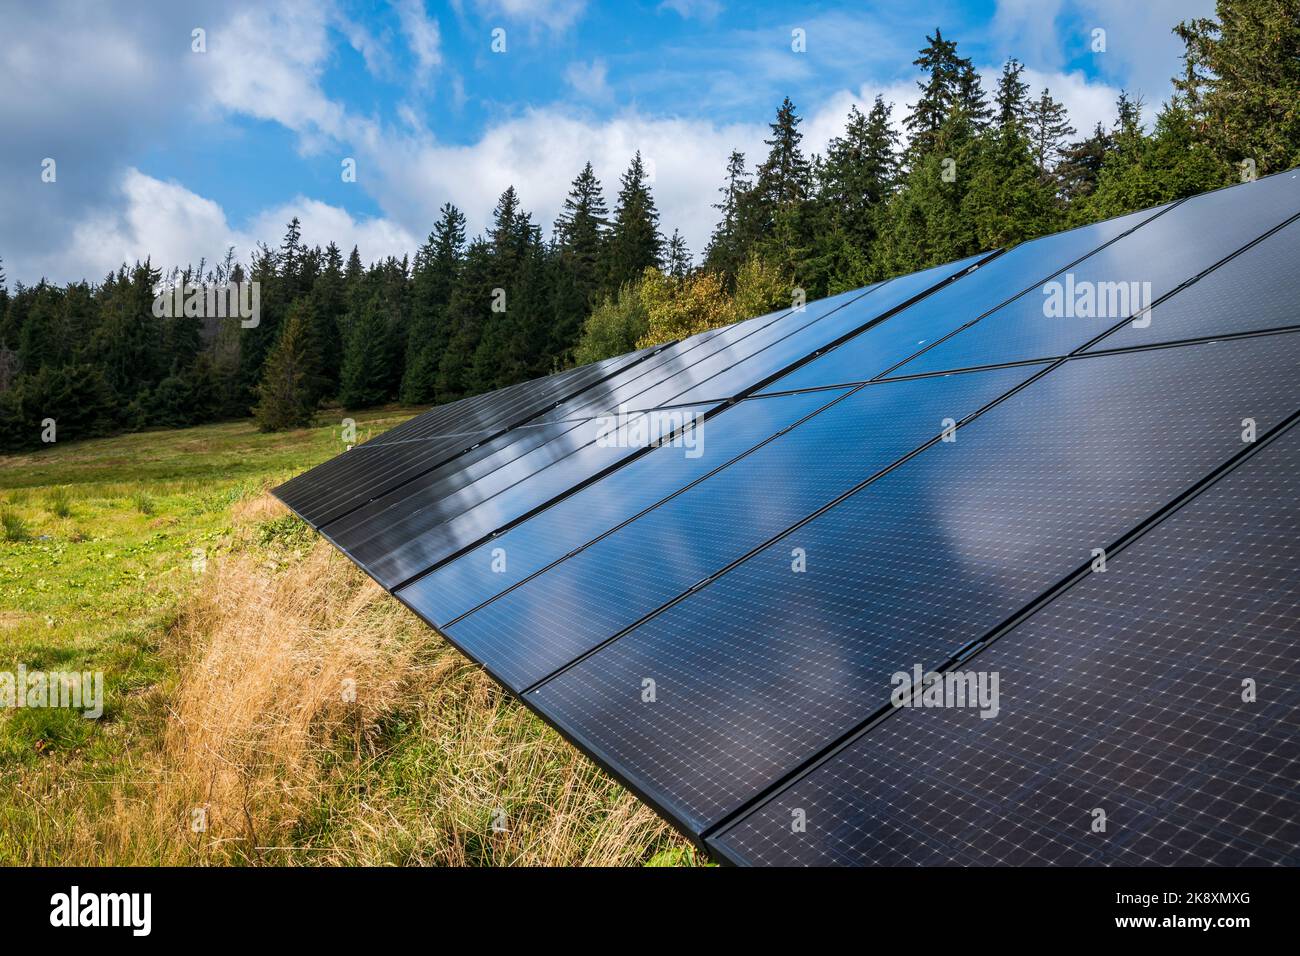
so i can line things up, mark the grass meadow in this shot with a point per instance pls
(264, 701)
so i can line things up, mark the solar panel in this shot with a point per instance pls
(1124, 695)
(397, 490)
(1016, 272)
(432, 517)
(497, 565)
(1111, 286)
(1252, 292)
(759, 670)
(551, 619)
(341, 483)
(901, 475)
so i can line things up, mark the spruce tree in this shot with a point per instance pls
(679, 257)
(328, 307)
(1241, 83)
(635, 243)
(726, 249)
(365, 372)
(580, 232)
(284, 394)
(1049, 127)
(951, 84)
(860, 172)
(437, 266)
(578, 239)
(1080, 166)
(1012, 97)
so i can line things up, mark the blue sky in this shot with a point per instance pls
(166, 151)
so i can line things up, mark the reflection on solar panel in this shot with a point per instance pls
(1061, 478)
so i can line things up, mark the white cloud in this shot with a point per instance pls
(1142, 53)
(177, 227)
(555, 15)
(1088, 103)
(706, 10)
(157, 219)
(422, 36)
(267, 62)
(541, 151)
(588, 79)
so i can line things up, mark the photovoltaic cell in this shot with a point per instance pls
(342, 483)
(761, 669)
(819, 335)
(434, 516)
(558, 615)
(877, 350)
(1249, 293)
(1124, 694)
(397, 539)
(397, 504)
(473, 578)
(1166, 252)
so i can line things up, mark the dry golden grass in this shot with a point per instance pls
(318, 721)
(302, 716)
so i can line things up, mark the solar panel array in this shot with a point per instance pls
(1059, 480)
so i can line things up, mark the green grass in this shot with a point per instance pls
(95, 587)
(60, 502)
(106, 542)
(15, 528)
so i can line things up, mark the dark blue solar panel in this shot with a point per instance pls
(815, 336)
(394, 540)
(894, 340)
(507, 559)
(440, 434)
(722, 349)
(549, 620)
(761, 669)
(1124, 694)
(1251, 292)
(400, 505)
(433, 516)
(1139, 268)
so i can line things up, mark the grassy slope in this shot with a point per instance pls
(176, 576)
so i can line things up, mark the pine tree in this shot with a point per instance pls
(1241, 82)
(365, 372)
(679, 257)
(725, 251)
(951, 84)
(1049, 128)
(635, 243)
(437, 267)
(1013, 95)
(284, 395)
